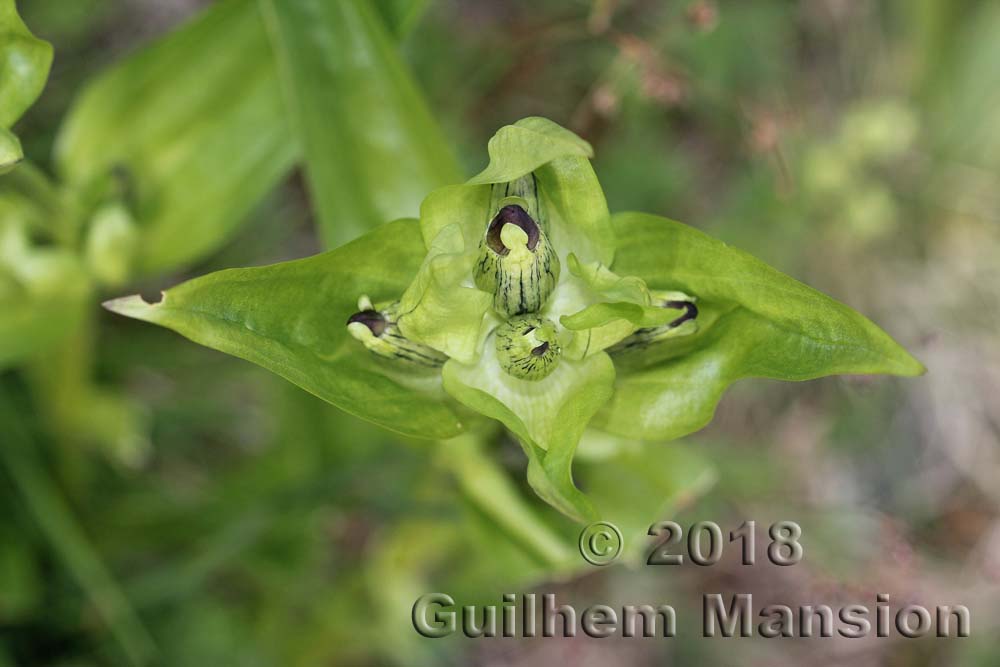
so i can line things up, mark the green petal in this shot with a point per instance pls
(290, 318)
(464, 205)
(616, 307)
(24, 65)
(548, 416)
(436, 309)
(766, 324)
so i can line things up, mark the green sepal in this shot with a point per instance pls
(575, 204)
(519, 149)
(547, 416)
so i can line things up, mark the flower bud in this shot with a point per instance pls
(516, 263)
(378, 331)
(528, 347)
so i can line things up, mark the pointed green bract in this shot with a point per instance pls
(372, 148)
(24, 65)
(195, 127)
(291, 319)
(767, 325)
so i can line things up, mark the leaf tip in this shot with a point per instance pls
(135, 306)
(912, 367)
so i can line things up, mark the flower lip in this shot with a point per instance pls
(513, 215)
(373, 319)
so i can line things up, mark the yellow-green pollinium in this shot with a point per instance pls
(528, 347)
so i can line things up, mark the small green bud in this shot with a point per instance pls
(377, 330)
(517, 264)
(528, 347)
(683, 325)
(111, 244)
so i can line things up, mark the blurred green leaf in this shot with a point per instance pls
(766, 324)
(24, 65)
(401, 16)
(10, 151)
(291, 319)
(19, 457)
(372, 147)
(195, 126)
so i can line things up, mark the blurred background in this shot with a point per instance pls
(205, 512)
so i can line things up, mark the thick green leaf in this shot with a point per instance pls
(24, 65)
(547, 416)
(197, 124)
(401, 16)
(754, 322)
(290, 318)
(372, 148)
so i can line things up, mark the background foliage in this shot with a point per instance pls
(165, 504)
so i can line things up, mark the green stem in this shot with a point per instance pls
(35, 185)
(489, 488)
(56, 522)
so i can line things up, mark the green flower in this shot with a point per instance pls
(519, 297)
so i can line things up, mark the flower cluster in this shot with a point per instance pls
(519, 297)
